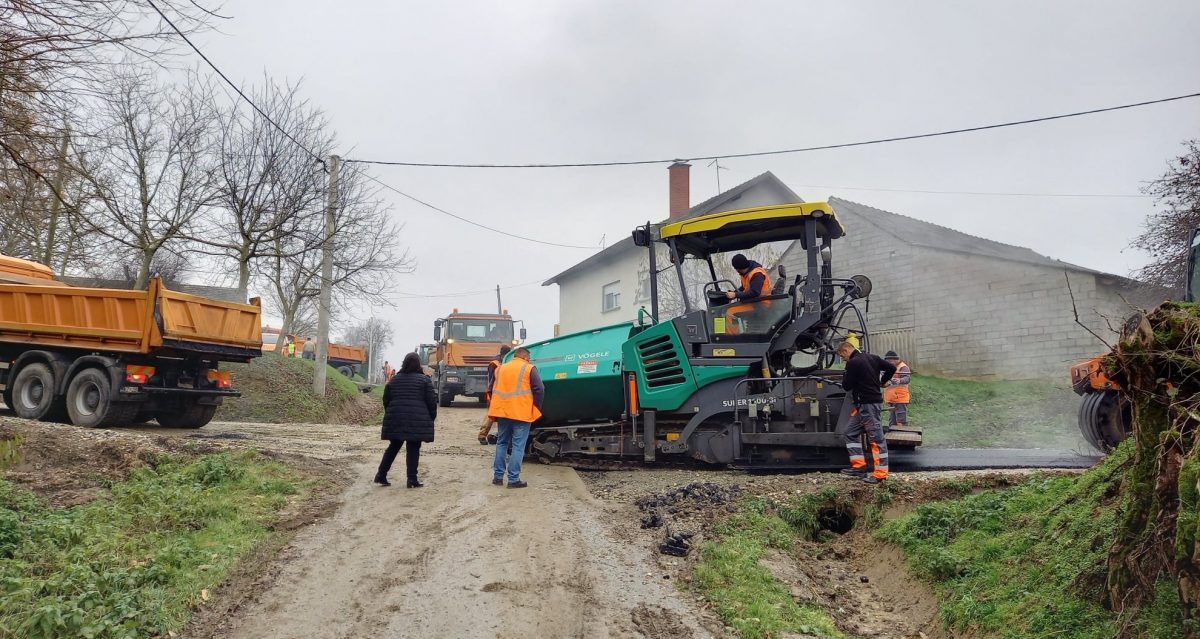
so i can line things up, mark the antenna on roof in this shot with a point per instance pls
(717, 163)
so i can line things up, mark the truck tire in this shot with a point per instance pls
(346, 371)
(191, 416)
(33, 394)
(445, 399)
(89, 402)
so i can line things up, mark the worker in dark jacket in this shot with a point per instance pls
(485, 436)
(410, 408)
(863, 381)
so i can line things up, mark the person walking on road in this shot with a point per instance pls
(485, 431)
(865, 375)
(896, 393)
(410, 408)
(516, 403)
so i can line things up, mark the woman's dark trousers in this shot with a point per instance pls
(411, 458)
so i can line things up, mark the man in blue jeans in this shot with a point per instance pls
(516, 403)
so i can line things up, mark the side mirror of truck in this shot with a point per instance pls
(437, 332)
(641, 237)
(524, 334)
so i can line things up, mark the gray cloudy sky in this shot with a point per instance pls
(525, 81)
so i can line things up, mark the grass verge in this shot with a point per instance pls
(279, 390)
(1030, 561)
(964, 413)
(744, 592)
(138, 561)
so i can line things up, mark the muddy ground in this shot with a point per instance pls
(566, 557)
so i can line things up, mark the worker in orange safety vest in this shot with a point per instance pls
(896, 394)
(516, 403)
(756, 283)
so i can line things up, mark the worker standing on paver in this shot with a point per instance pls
(865, 375)
(516, 403)
(896, 394)
(488, 421)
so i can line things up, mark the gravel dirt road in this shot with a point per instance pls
(458, 558)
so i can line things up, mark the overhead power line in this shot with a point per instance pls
(472, 222)
(486, 291)
(824, 147)
(992, 193)
(321, 160)
(235, 87)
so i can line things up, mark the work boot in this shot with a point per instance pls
(497, 482)
(517, 484)
(415, 483)
(382, 481)
(854, 472)
(872, 479)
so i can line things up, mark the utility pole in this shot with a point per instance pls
(326, 281)
(56, 198)
(499, 306)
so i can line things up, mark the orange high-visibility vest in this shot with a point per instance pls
(512, 394)
(766, 287)
(897, 394)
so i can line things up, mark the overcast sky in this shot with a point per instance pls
(538, 81)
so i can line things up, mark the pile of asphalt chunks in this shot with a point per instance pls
(684, 499)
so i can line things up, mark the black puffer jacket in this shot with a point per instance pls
(410, 406)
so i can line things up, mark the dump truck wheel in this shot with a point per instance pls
(33, 392)
(346, 371)
(89, 402)
(446, 400)
(192, 416)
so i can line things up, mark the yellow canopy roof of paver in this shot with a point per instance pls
(747, 228)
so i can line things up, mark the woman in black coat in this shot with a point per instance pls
(410, 406)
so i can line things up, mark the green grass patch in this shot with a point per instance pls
(964, 413)
(279, 390)
(1028, 561)
(134, 563)
(742, 590)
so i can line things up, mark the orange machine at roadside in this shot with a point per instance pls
(99, 357)
(465, 343)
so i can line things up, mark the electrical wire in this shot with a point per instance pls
(404, 295)
(472, 222)
(235, 87)
(991, 193)
(824, 147)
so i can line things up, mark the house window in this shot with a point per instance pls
(611, 297)
(643, 289)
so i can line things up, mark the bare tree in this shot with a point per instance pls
(266, 183)
(376, 334)
(366, 254)
(1166, 232)
(53, 53)
(152, 170)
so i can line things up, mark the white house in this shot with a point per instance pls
(610, 286)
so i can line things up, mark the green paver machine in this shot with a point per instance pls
(745, 384)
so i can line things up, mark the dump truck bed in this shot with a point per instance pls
(156, 320)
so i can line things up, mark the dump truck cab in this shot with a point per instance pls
(465, 344)
(747, 383)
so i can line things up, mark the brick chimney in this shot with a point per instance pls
(681, 181)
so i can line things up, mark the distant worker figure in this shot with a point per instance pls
(485, 431)
(410, 408)
(756, 283)
(310, 349)
(896, 394)
(865, 375)
(290, 347)
(388, 372)
(516, 403)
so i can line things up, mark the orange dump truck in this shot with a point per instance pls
(103, 357)
(347, 359)
(466, 343)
